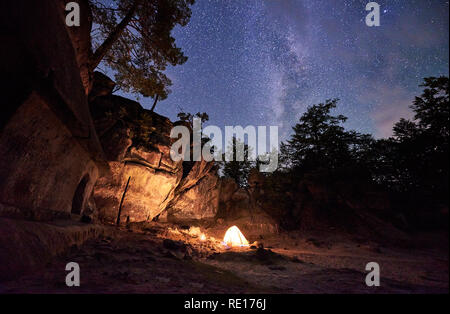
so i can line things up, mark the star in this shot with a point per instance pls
(264, 62)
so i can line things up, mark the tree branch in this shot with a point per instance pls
(154, 104)
(101, 51)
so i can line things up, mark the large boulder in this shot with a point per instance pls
(149, 190)
(197, 195)
(137, 144)
(193, 172)
(199, 201)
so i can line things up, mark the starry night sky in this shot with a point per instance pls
(262, 62)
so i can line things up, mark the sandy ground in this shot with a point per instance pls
(139, 261)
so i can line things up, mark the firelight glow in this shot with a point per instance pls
(234, 237)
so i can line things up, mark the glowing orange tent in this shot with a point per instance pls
(234, 237)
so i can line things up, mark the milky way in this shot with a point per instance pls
(263, 62)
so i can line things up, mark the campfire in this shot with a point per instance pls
(234, 238)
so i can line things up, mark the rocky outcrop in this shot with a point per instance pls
(150, 185)
(202, 195)
(103, 86)
(44, 169)
(54, 146)
(137, 144)
(50, 155)
(197, 196)
(241, 207)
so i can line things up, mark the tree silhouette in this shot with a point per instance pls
(189, 117)
(134, 39)
(320, 141)
(237, 169)
(421, 147)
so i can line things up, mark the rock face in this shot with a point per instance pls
(197, 196)
(351, 208)
(137, 144)
(104, 86)
(240, 207)
(202, 195)
(81, 41)
(50, 155)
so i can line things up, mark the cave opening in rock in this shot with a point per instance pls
(78, 197)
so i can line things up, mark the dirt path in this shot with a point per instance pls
(135, 262)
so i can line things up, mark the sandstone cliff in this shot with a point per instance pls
(197, 196)
(137, 145)
(50, 156)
